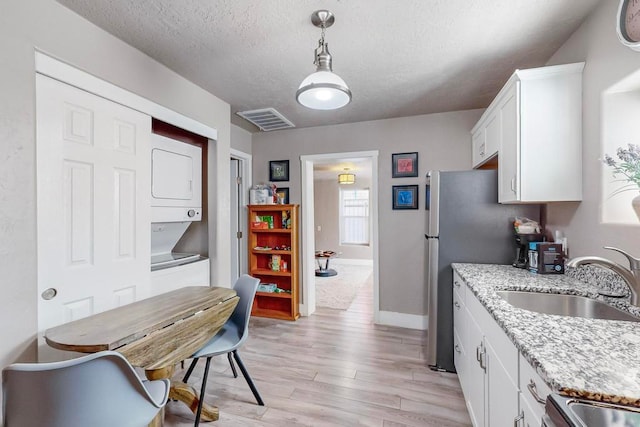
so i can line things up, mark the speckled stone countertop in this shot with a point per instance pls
(589, 358)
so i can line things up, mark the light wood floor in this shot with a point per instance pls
(334, 368)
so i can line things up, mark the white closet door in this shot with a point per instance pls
(93, 213)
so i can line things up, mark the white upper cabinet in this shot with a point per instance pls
(485, 141)
(536, 120)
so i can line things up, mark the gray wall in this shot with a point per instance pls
(47, 26)
(326, 194)
(442, 141)
(240, 139)
(607, 62)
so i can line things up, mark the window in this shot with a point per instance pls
(354, 217)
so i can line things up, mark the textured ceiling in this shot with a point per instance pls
(399, 57)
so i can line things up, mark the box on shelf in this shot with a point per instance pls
(268, 219)
(259, 225)
(267, 287)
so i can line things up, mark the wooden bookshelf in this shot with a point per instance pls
(268, 244)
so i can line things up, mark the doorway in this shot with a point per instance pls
(344, 254)
(240, 182)
(308, 163)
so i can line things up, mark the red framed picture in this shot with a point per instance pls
(404, 165)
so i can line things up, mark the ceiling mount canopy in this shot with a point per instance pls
(323, 90)
(346, 177)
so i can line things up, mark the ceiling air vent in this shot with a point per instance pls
(266, 119)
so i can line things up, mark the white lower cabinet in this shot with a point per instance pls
(501, 394)
(488, 365)
(475, 390)
(533, 394)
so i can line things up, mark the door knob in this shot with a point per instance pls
(50, 293)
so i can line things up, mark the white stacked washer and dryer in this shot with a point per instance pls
(176, 202)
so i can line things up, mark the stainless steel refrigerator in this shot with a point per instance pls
(465, 223)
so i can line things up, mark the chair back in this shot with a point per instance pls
(100, 389)
(246, 287)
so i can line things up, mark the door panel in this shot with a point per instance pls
(502, 393)
(93, 194)
(473, 343)
(125, 214)
(77, 194)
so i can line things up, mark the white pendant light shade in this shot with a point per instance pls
(323, 90)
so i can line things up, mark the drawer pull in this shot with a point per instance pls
(456, 304)
(457, 348)
(534, 392)
(456, 284)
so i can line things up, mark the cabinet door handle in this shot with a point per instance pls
(482, 149)
(534, 392)
(516, 420)
(483, 361)
(456, 284)
(456, 304)
(457, 349)
(478, 353)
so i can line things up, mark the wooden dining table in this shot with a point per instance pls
(154, 334)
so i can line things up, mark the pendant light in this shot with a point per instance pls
(323, 90)
(346, 177)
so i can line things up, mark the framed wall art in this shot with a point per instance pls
(404, 165)
(283, 195)
(405, 197)
(278, 170)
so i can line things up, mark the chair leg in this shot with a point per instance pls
(248, 378)
(190, 370)
(233, 367)
(202, 391)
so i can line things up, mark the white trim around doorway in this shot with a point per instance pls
(308, 304)
(245, 172)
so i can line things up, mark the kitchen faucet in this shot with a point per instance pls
(630, 275)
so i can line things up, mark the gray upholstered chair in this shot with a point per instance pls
(99, 390)
(232, 335)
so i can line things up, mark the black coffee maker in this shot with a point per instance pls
(522, 247)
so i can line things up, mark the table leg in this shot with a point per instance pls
(187, 395)
(182, 392)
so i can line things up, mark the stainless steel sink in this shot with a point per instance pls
(594, 414)
(565, 305)
(568, 411)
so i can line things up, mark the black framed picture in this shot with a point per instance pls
(279, 170)
(283, 195)
(404, 165)
(405, 197)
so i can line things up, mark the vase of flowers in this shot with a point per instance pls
(628, 169)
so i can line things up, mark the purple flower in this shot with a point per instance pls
(629, 165)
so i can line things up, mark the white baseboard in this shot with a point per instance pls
(351, 261)
(403, 320)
